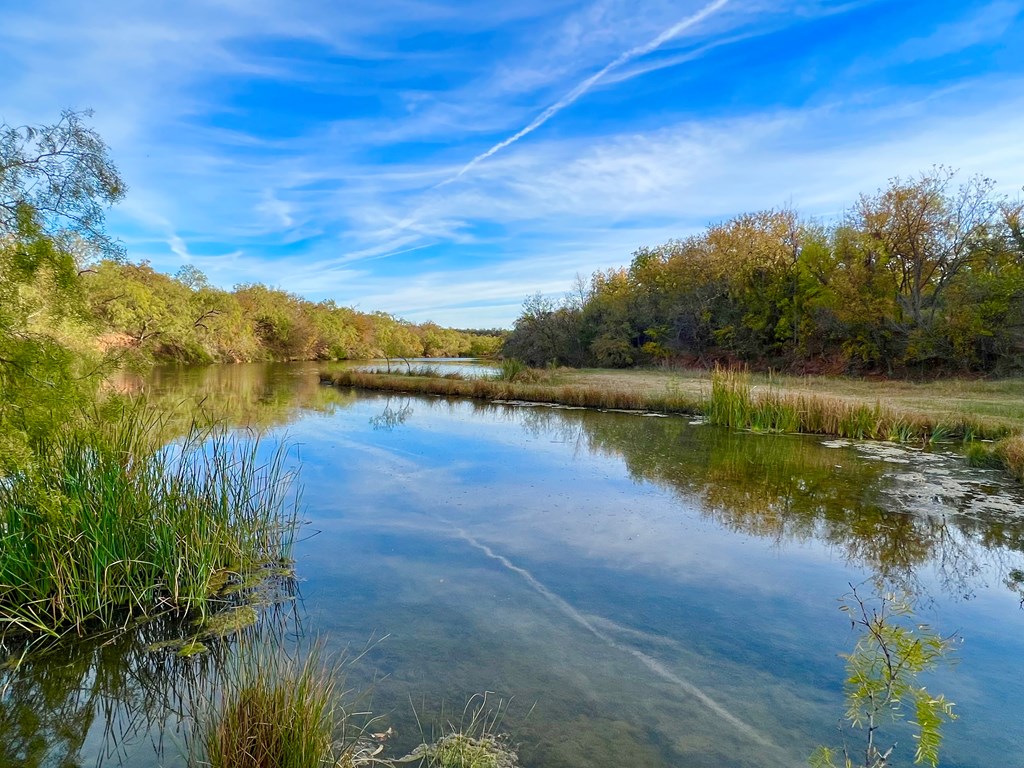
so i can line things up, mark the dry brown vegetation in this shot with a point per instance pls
(901, 411)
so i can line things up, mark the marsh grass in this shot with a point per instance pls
(511, 369)
(537, 391)
(733, 403)
(271, 710)
(730, 404)
(1006, 454)
(1011, 452)
(427, 371)
(108, 525)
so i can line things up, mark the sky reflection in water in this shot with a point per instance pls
(659, 593)
(675, 584)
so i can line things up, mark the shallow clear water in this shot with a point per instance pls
(649, 591)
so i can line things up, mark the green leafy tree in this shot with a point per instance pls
(927, 233)
(44, 364)
(882, 683)
(55, 184)
(61, 173)
(395, 339)
(548, 331)
(614, 336)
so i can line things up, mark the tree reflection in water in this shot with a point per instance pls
(121, 689)
(791, 488)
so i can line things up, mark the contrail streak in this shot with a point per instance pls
(641, 50)
(652, 664)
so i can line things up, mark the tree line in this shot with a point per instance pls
(64, 279)
(183, 318)
(925, 276)
(72, 306)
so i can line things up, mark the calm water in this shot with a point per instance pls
(648, 591)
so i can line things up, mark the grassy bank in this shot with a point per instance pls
(542, 391)
(919, 414)
(106, 524)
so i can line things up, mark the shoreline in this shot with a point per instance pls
(781, 405)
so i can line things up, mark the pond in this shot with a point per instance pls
(646, 590)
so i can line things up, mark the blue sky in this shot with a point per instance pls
(444, 160)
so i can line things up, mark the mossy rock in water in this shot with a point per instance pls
(192, 648)
(457, 750)
(230, 621)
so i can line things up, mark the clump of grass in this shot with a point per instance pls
(476, 742)
(730, 403)
(510, 369)
(107, 525)
(271, 712)
(900, 430)
(733, 403)
(419, 371)
(1012, 450)
(942, 433)
(1006, 454)
(774, 413)
(862, 422)
(458, 750)
(983, 456)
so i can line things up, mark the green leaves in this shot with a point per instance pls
(63, 174)
(55, 183)
(882, 679)
(924, 276)
(931, 714)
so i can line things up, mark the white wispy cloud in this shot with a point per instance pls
(979, 26)
(586, 85)
(567, 207)
(342, 202)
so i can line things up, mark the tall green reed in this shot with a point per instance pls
(109, 524)
(511, 369)
(272, 710)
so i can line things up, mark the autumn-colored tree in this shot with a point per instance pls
(396, 339)
(923, 276)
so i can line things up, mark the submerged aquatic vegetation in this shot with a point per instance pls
(476, 742)
(460, 750)
(107, 524)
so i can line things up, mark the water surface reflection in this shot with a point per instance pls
(663, 592)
